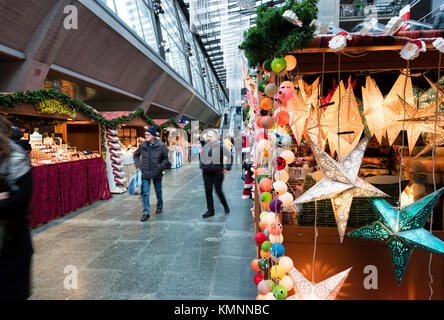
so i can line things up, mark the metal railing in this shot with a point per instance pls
(388, 8)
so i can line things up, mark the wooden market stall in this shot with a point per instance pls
(372, 276)
(68, 170)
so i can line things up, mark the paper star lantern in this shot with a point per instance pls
(325, 290)
(349, 121)
(414, 129)
(374, 114)
(340, 182)
(299, 109)
(403, 232)
(394, 108)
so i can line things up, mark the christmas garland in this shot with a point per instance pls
(71, 106)
(274, 36)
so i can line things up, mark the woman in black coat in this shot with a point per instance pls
(15, 237)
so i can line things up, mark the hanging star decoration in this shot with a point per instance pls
(316, 127)
(372, 100)
(394, 107)
(340, 183)
(325, 290)
(415, 128)
(403, 230)
(350, 128)
(300, 108)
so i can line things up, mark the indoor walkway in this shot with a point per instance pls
(174, 255)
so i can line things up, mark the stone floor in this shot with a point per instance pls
(174, 255)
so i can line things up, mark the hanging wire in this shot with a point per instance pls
(433, 173)
(339, 106)
(401, 150)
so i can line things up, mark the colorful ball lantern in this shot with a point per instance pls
(259, 171)
(286, 91)
(277, 249)
(260, 296)
(269, 296)
(291, 62)
(269, 218)
(260, 237)
(276, 205)
(283, 141)
(262, 226)
(259, 121)
(266, 197)
(261, 177)
(286, 263)
(274, 229)
(271, 283)
(271, 90)
(267, 122)
(263, 264)
(279, 238)
(266, 66)
(266, 104)
(287, 282)
(287, 199)
(288, 155)
(281, 176)
(279, 163)
(280, 187)
(263, 213)
(258, 277)
(263, 287)
(263, 145)
(280, 292)
(266, 245)
(255, 265)
(261, 86)
(276, 272)
(265, 185)
(278, 65)
(283, 118)
(265, 255)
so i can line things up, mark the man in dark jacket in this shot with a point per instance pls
(154, 159)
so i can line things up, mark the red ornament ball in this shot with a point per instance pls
(260, 237)
(265, 184)
(279, 163)
(258, 277)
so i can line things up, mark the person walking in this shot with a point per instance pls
(154, 160)
(15, 237)
(212, 165)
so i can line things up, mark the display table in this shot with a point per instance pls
(61, 188)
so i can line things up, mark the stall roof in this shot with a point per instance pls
(376, 51)
(161, 121)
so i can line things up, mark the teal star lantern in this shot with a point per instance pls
(403, 230)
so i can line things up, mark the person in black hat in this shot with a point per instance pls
(154, 159)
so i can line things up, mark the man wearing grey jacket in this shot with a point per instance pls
(154, 160)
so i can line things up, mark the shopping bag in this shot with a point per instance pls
(135, 184)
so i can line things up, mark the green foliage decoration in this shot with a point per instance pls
(273, 36)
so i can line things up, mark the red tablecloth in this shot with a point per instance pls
(64, 187)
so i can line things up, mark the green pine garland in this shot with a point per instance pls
(34, 97)
(273, 36)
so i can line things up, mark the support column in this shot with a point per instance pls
(185, 108)
(42, 50)
(152, 91)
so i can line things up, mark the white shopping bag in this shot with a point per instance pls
(135, 185)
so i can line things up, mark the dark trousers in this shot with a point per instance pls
(210, 179)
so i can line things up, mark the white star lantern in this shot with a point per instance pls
(325, 290)
(340, 183)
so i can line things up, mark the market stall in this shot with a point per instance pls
(68, 169)
(344, 205)
(176, 140)
(123, 139)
